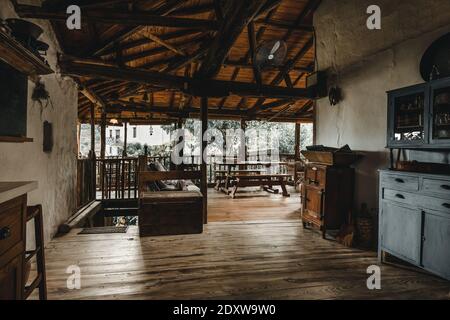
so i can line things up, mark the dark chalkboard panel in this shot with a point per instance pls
(13, 102)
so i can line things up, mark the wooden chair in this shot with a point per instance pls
(35, 212)
(169, 212)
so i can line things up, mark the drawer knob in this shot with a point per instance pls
(5, 233)
(399, 180)
(445, 187)
(400, 196)
(446, 205)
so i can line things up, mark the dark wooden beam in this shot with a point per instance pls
(285, 25)
(236, 18)
(142, 41)
(196, 87)
(119, 17)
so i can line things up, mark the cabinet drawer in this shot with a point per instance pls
(400, 182)
(401, 197)
(11, 224)
(438, 187)
(436, 204)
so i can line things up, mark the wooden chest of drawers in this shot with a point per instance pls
(12, 247)
(414, 222)
(327, 196)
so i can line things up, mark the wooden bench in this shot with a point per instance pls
(267, 181)
(169, 212)
(222, 177)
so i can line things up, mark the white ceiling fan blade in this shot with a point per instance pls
(276, 46)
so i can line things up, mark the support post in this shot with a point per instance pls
(297, 141)
(204, 182)
(181, 140)
(125, 137)
(244, 145)
(92, 129)
(92, 156)
(103, 134)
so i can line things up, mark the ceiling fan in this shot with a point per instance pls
(271, 54)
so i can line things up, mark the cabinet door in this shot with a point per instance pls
(408, 117)
(313, 204)
(11, 280)
(400, 230)
(440, 113)
(436, 240)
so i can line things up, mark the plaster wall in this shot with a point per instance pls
(367, 63)
(55, 171)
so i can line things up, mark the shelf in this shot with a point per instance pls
(15, 54)
(15, 139)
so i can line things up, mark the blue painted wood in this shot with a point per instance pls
(414, 225)
(428, 91)
(436, 251)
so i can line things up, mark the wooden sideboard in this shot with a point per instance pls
(13, 208)
(414, 222)
(327, 196)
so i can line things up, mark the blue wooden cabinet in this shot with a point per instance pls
(414, 220)
(419, 116)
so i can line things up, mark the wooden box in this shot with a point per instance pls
(170, 213)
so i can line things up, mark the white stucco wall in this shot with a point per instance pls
(55, 171)
(367, 64)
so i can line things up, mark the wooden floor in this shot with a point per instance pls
(269, 259)
(252, 204)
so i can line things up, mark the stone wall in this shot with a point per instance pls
(55, 171)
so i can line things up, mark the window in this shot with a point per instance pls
(117, 134)
(110, 133)
(134, 132)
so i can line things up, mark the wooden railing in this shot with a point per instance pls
(85, 182)
(116, 178)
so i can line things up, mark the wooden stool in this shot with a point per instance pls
(35, 212)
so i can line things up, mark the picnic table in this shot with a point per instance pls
(238, 175)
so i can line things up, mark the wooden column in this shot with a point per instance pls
(125, 137)
(297, 141)
(181, 140)
(204, 181)
(103, 134)
(92, 129)
(92, 155)
(244, 148)
(297, 153)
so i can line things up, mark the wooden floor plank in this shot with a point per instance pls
(249, 252)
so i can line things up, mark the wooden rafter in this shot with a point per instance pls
(215, 88)
(119, 17)
(236, 18)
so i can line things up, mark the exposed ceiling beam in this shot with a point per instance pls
(237, 16)
(193, 86)
(119, 17)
